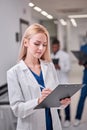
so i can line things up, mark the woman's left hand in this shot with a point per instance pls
(65, 102)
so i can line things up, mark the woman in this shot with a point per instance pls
(31, 80)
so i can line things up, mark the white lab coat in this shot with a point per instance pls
(64, 62)
(23, 96)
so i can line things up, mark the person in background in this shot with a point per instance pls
(61, 62)
(83, 94)
(31, 80)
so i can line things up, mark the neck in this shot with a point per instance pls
(32, 62)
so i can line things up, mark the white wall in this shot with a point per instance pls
(10, 13)
(60, 34)
(75, 33)
(72, 34)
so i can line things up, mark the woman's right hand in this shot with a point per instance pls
(45, 92)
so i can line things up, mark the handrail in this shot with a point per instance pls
(3, 89)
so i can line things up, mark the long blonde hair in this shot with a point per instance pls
(30, 31)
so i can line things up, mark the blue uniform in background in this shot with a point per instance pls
(84, 89)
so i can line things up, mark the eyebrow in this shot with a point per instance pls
(40, 41)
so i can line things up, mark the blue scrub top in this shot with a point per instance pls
(47, 110)
(84, 49)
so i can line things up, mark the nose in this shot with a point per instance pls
(41, 47)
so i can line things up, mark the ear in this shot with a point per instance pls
(26, 42)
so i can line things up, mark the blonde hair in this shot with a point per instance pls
(30, 31)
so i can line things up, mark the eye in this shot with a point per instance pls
(44, 45)
(36, 43)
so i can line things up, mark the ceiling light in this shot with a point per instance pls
(41, 11)
(63, 22)
(55, 21)
(49, 16)
(37, 9)
(44, 13)
(78, 16)
(31, 4)
(73, 22)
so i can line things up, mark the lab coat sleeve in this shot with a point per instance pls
(65, 64)
(20, 107)
(55, 75)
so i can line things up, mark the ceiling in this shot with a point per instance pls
(60, 8)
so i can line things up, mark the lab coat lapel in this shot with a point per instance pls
(28, 73)
(44, 67)
(31, 77)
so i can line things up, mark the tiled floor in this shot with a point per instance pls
(82, 126)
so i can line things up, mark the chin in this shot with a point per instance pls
(38, 57)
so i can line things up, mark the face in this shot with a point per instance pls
(37, 45)
(55, 48)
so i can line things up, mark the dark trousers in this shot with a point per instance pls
(67, 113)
(80, 106)
(49, 124)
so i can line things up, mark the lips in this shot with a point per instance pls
(39, 53)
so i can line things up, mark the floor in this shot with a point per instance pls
(82, 126)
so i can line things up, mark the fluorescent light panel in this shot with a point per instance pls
(31, 4)
(78, 16)
(40, 10)
(37, 9)
(49, 16)
(63, 22)
(44, 13)
(73, 22)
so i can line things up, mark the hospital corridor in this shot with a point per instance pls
(38, 38)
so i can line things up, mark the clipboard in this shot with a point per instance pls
(55, 61)
(81, 56)
(60, 92)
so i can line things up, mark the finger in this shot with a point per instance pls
(65, 101)
(46, 91)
